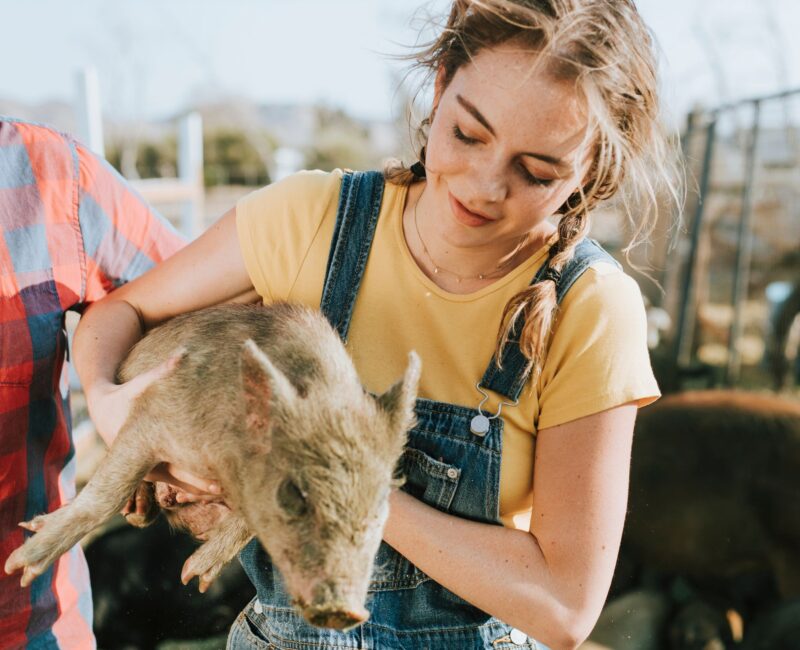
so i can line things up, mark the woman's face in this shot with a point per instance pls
(502, 148)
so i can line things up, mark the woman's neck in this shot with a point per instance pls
(459, 269)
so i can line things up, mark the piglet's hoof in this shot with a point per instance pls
(143, 506)
(30, 557)
(201, 563)
(137, 520)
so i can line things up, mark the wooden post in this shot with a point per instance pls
(90, 114)
(190, 172)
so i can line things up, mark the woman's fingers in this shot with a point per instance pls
(186, 482)
(194, 484)
(138, 384)
(181, 496)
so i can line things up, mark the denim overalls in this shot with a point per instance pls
(445, 465)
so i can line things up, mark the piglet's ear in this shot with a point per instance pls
(266, 389)
(399, 400)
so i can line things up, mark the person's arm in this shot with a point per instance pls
(207, 272)
(121, 235)
(550, 582)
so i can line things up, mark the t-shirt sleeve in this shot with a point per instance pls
(277, 224)
(598, 356)
(122, 235)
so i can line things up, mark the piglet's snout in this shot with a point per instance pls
(331, 608)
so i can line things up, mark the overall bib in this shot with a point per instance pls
(445, 465)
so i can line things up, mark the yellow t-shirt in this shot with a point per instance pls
(597, 358)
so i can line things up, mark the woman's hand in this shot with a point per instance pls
(109, 404)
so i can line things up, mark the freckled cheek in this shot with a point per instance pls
(442, 154)
(533, 207)
(526, 214)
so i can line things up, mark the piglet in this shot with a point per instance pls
(267, 401)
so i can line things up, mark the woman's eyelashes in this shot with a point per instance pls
(529, 178)
(459, 134)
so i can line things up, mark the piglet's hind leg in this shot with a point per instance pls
(228, 538)
(126, 463)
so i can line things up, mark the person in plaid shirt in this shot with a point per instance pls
(72, 231)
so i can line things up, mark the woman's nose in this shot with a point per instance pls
(490, 187)
(490, 180)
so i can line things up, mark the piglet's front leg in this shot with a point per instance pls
(229, 537)
(125, 465)
(55, 534)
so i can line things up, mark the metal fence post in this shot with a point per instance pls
(682, 349)
(744, 249)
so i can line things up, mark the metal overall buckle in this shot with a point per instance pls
(479, 425)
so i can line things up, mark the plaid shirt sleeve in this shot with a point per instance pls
(122, 236)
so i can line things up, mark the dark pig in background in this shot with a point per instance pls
(267, 401)
(715, 488)
(713, 528)
(710, 553)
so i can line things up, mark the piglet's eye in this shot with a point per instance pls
(291, 499)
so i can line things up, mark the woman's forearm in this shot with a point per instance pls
(499, 570)
(105, 334)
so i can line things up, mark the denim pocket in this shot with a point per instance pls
(431, 481)
(244, 635)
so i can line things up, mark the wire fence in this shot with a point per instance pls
(737, 266)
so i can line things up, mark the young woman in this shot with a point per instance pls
(532, 339)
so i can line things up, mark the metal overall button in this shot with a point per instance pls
(518, 637)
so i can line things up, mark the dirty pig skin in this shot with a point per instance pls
(267, 401)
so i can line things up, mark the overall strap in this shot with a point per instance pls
(356, 218)
(509, 381)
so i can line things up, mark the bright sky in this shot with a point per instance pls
(154, 56)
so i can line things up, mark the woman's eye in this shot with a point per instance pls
(530, 179)
(459, 135)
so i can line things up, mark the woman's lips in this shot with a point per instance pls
(465, 216)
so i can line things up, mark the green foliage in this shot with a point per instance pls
(339, 141)
(230, 157)
(157, 159)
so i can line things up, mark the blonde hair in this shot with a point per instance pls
(607, 50)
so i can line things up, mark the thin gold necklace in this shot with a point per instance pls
(481, 276)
